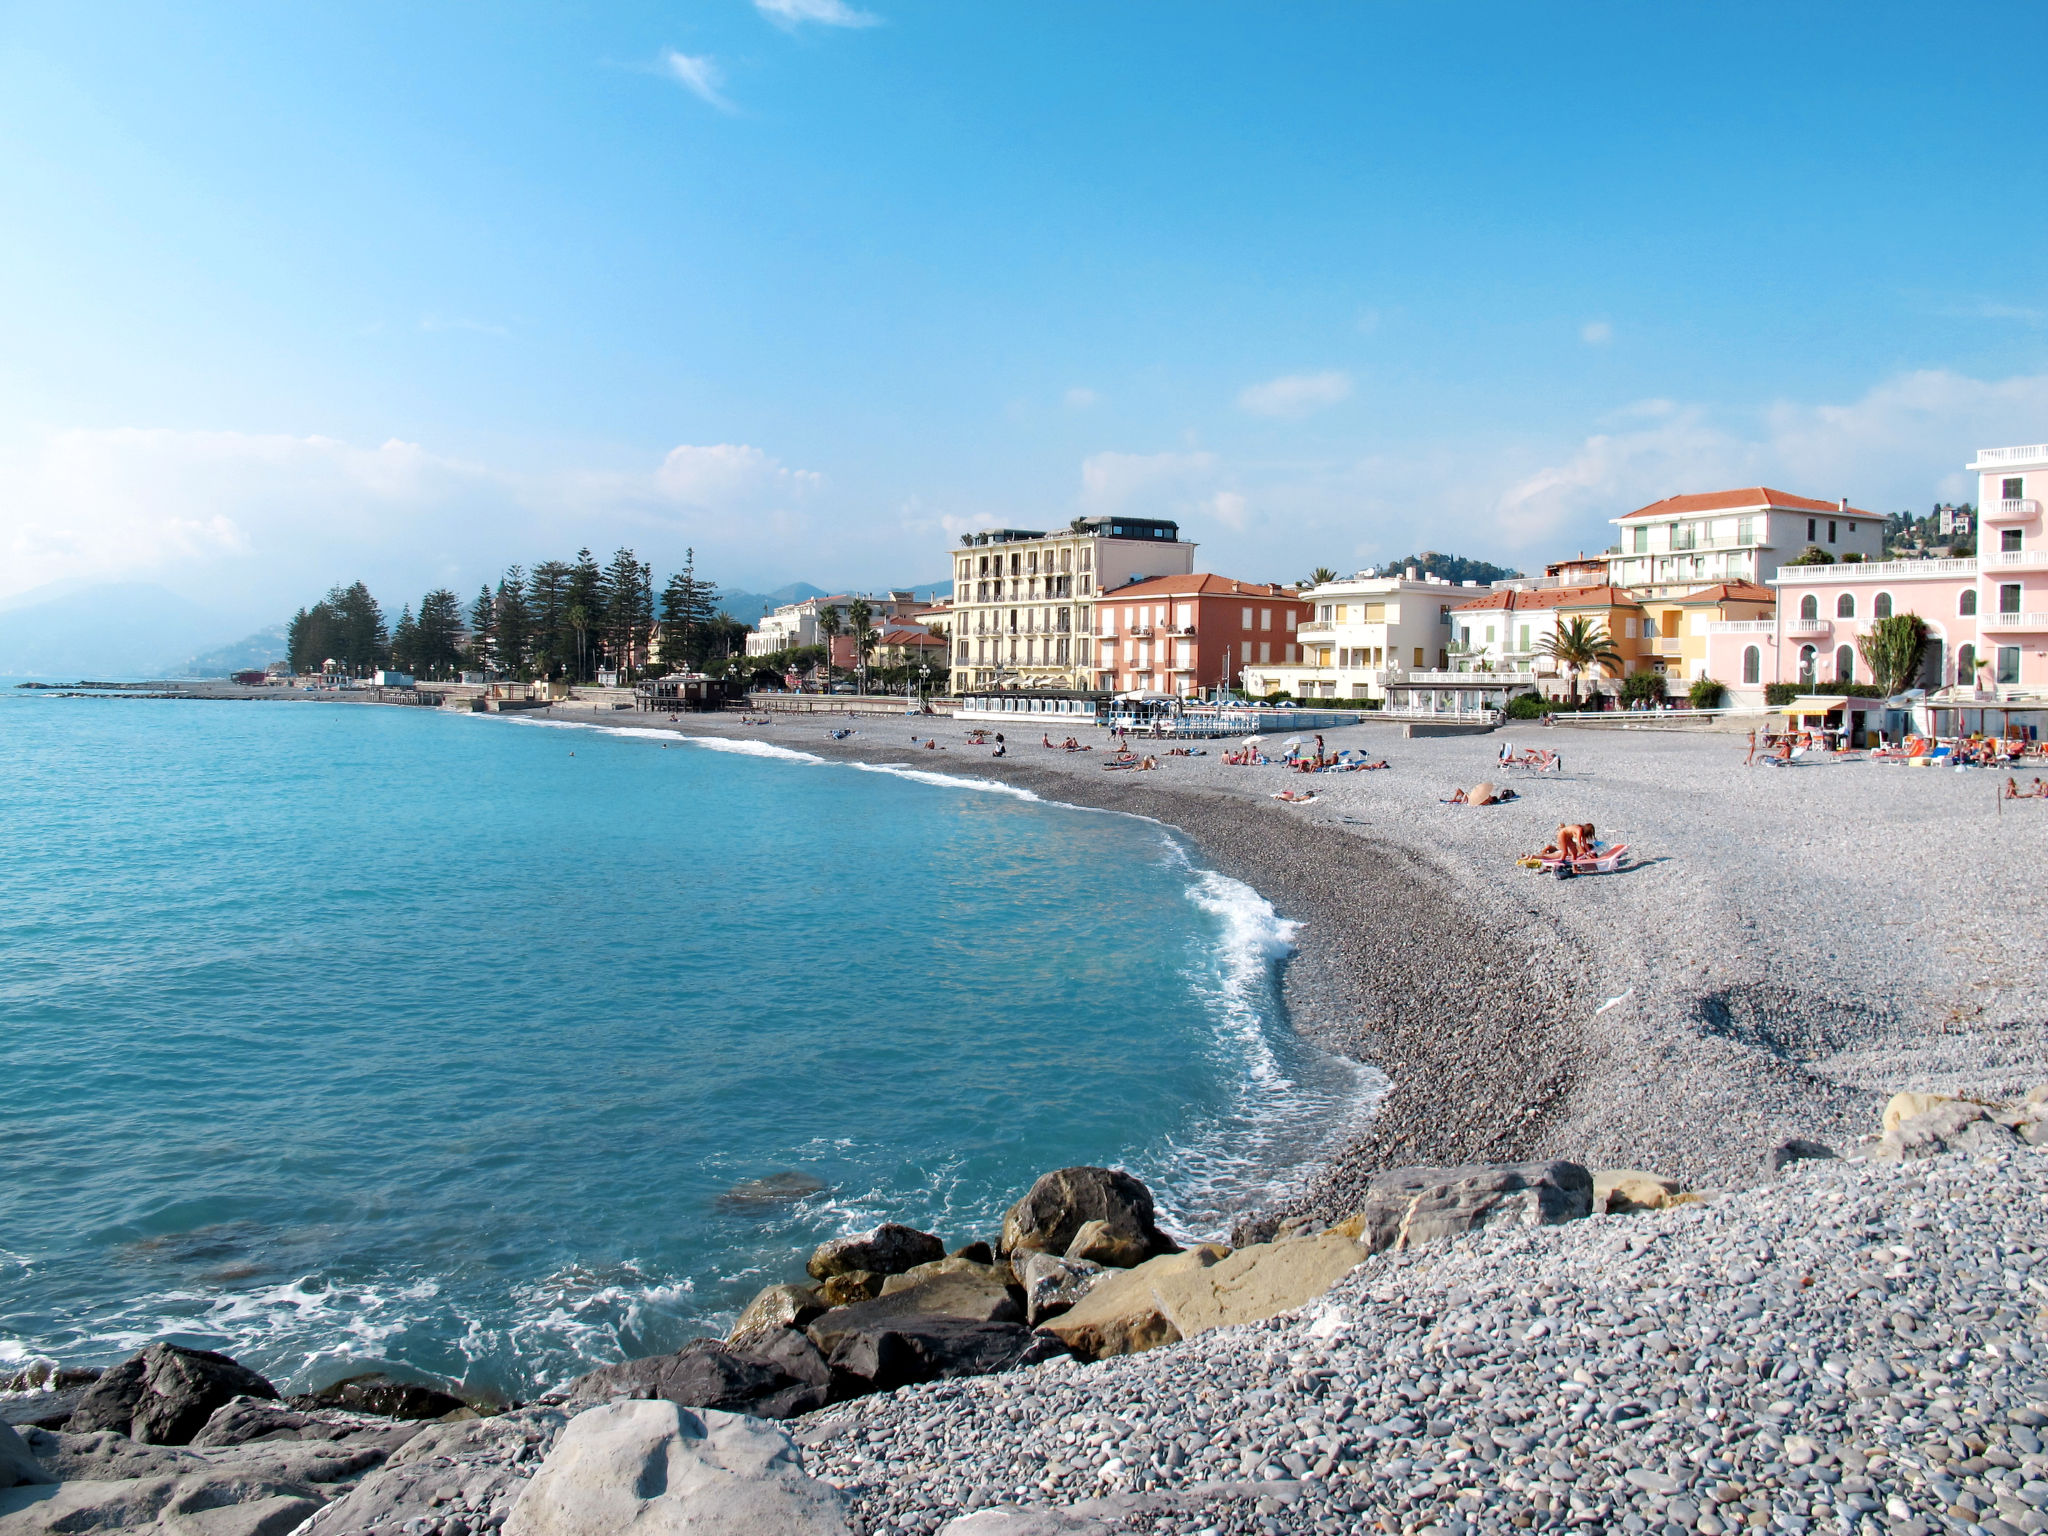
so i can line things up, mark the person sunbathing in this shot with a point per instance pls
(1149, 762)
(1295, 797)
(1575, 840)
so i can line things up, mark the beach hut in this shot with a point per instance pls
(1847, 721)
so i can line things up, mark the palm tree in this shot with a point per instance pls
(858, 613)
(1579, 644)
(1320, 575)
(828, 626)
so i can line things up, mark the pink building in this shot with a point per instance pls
(1987, 618)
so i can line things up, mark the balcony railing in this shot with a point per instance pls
(1806, 629)
(2035, 454)
(2014, 509)
(1873, 570)
(1743, 627)
(2027, 622)
(2020, 559)
(1666, 645)
(1309, 631)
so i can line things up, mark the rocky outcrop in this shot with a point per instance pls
(888, 1250)
(1052, 1285)
(217, 1503)
(18, 1463)
(973, 1298)
(461, 1478)
(165, 1394)
(775, 1189)
(375, 1392)
(655, 1468)
(1408, 1206)
(1052, 1214)
(843, 1290)
(982, 1273)
(1123, 1314)
(777, 1375)
(881, 1356)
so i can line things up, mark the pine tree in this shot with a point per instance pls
(439, 628)
(361, 643)
(627, 606)
(405, 643)
(483, 629)
(552, 643)
(309, 639)
(515, 627)
(585, 610)
(686, 614)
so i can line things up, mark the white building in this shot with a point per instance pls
(1024, 601)
(1368, 634)
(795, 624)
(1682, 543)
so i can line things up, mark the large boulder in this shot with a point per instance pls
(655, 1468)
(776, 1375)
(1052, 1285)
(882, 1356)
(968, 1297)
(888, 1250)
(983, 1273)
(777, 1307)
(1907, 1106)
(494, 1458)
(18, 1463)
(224, 1502)
(1405, 1207)
(1181, 1295)
(1950, 1125)
(1099, 1243)
(165, 1395)
(1062, 1202)
(255, 1421)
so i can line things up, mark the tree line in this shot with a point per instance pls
(565, 620)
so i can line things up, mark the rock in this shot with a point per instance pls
(2036, 1095)
(855, 1285)
(51, 1406)
(496, 1456)
(1052, 1285)
(1908, 1106)
(967, 1297)
(1795, 1149)
(104, 1456)
(657, 1468)
(879, 1357)
(1098, 1243)
(779, 1306)
(1951, 1125)
(888, 1250)
(1122, 1313)
(980, 1274)
(215, 1503)
(976, 1252)
(1408, 1206)
(1182, 1295)
(164, 1395)
(374, 1392)
(781, 1375)
(1015, 1520)
(252, 1421)
(18, 1463)
(1617, 1191)
(775, 1189)
(1060, 1203)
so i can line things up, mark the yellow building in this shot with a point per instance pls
(1674, 639)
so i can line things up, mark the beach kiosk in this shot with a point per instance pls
(1846, 722)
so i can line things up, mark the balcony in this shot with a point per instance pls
(1316, 631)
(1140, 631)
(2019, 509)
(2035, 454)
(2008, 623)
(1664, 645)
(1743, 627)
(2017, 559)
(1809, 629)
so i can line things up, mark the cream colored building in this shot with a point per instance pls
(1367, 633)
(1683, 543)
(1024, 601)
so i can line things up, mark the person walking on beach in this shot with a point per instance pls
(1750, 760)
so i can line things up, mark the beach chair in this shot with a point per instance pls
(1605, 859)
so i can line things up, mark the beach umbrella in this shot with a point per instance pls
(1291, 743)
(1251, 741)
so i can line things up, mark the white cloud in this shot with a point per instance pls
(1116, 482)
(826, 13)
(728, 475)
(1229, 508)
(1080, 398)
(700, 74)
(1295, 394)
(1596, 333)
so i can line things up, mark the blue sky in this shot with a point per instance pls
(293, 294)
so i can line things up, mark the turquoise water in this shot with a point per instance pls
(339, 1033)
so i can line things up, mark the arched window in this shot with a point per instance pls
(1845, 664)
(1966, 662)
(1752, 664)
(1809, 607)
(1845, 606)
(1966, 605)
(1807, 657)
(1882, 607)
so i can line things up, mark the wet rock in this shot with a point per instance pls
(888, 1250)
(375, 1392)
(657, 1468)
(775, 1189)
(1409, 1206)
(1052, 1285)
(781, 1375)
(165, 1394)
(1062, 1202)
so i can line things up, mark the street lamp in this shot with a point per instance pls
(924, 679)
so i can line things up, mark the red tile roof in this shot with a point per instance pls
(1749, 496)
(1198, 585)
(1730, 592)
(1516, 601)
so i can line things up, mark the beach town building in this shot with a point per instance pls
(1504, 630)
(1986, 617)
(1674, 629)
(1185, 635)
(1686, 542)
(899, 644)
(1366, 634)
(796, 624)
(1024, 600)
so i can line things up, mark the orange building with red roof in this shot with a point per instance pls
(1188, 634)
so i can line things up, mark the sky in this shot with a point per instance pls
(292, 295)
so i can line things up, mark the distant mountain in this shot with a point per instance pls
(250, 654)
(116, 630)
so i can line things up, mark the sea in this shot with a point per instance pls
(343, 1037)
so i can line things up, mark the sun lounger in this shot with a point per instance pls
(1603, 860)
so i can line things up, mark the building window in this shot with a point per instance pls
(1641, 544)
(2009, 541)
(1809, 530)
(1247, 618)
(1807, 657)
(1265, 650)
(1809, 609)
(2009, 597)
(1745, 530)
(2008, 663)
(1882, 607)
(1845, 664)
(1247, 648)
(1418, 657)
(1752, 664)
(1524, 643)
(1845, 606)
(1265, 618)
(1831, 530)
(1966, 605)
(1966, 664)
(2013, 489)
